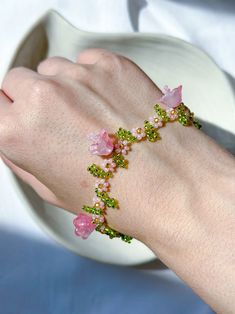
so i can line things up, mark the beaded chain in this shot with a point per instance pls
(169, 108)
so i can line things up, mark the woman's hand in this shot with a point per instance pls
(46, 116)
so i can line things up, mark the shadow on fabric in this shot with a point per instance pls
(227, 6)
(36, 277)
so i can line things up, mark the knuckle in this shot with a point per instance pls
(13, 72)
(111, 62)
(51, 59)
(79, 73)
(49, 62)
(42, 87)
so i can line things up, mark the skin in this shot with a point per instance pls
(184, 209)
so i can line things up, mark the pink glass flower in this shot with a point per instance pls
(108, 165)
(171, 98)
(172, 113)
(102, 143)
(102, 185)
(97, 202)
(139, 133)
(122, 147)
(83, 225)
(155, 121)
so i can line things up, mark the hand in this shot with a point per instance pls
(46, 116)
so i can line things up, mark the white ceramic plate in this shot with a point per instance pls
(166, 60)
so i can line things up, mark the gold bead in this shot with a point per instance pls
(172, 111)
(139, 130)
(156, 119)
(97, 204)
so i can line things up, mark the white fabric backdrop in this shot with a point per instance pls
(39, 276)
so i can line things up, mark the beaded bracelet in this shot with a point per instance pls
(169, 108)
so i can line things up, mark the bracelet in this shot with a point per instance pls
(114, 148)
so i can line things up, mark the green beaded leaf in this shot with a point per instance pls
(115, 234)
(186, 117)
(151, 132)
(92, 210)
(197, 124)
(182, 109)
(108, 201)
(120, 160)
(112, 233)
(125, 135)
(184, 120)
(126, 238)
(96, 171)
(161, 113)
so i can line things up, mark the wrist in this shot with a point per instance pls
(199, 238)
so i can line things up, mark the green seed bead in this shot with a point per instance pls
(125, 135)
(181, 108)
(161, 113)
(98, 227)
(151, 133)
(120, 160)
(197, 124)
(92, 210)
(111, 203)
(96, 171)
(108, 201)
(126, 238)
(184, 120)
(113, 233)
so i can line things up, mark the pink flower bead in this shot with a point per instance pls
(122, 147)
(139, 133)
(108, 165)
(171, 98)
(102, 228)
(98, 219)
(97, 200)
(102, 144)
(172, 114)
(102, 185)
(155, 121)
(83, 225)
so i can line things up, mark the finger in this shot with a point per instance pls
(17, 80)
(65, 68)
(5, 102)
(93, 55)
(28, 178)
(54, 65)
